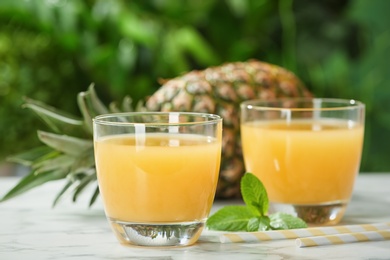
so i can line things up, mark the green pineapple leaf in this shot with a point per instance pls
(90, 106)
(87, 179)
(64, 143)
(84, 162)
(33, 180)
(125, 106)
(63, 161)
(57, 120)
(61, 193)
(94, 196)
(29, 157)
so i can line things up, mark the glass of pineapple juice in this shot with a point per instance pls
(157, 174)
(306, 152)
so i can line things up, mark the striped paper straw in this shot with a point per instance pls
(344, 238)
(237, 237)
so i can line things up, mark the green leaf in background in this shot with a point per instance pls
(192, 42)
(230, 218)
(143, 30)
(254, 194)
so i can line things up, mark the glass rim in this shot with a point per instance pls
(339, 104)
(102, 119)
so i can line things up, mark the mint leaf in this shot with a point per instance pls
(258, 224)
(253, 224)
(264, 223)
(286, 221)
(230, 218)
(253, 216)
(254, 194)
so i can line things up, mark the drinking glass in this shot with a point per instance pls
(306, 152)
(157, 174)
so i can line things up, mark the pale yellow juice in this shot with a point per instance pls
(164, 178)
(304, 162)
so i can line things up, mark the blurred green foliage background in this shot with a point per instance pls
(50, 50)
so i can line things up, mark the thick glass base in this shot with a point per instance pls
(158, 235)
(314, 215)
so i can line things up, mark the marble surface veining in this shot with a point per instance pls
(31, 229)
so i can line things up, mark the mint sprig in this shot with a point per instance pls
(253, 216)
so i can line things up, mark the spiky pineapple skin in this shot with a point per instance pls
(220, 90)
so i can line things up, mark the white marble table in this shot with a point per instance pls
(31, 229)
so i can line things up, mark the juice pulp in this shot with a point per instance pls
(304, 162)
(158, 177)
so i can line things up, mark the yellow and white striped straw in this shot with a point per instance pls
(344, 238)
(240, 237)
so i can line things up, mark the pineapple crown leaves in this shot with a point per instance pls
(69, 148)
(61, 122)
(65, 144)
(57, 120)
(33, 180)
(28, 158)
(126, 106)
(90, 106)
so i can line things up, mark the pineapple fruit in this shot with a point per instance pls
(220, 90)
(68, 150)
